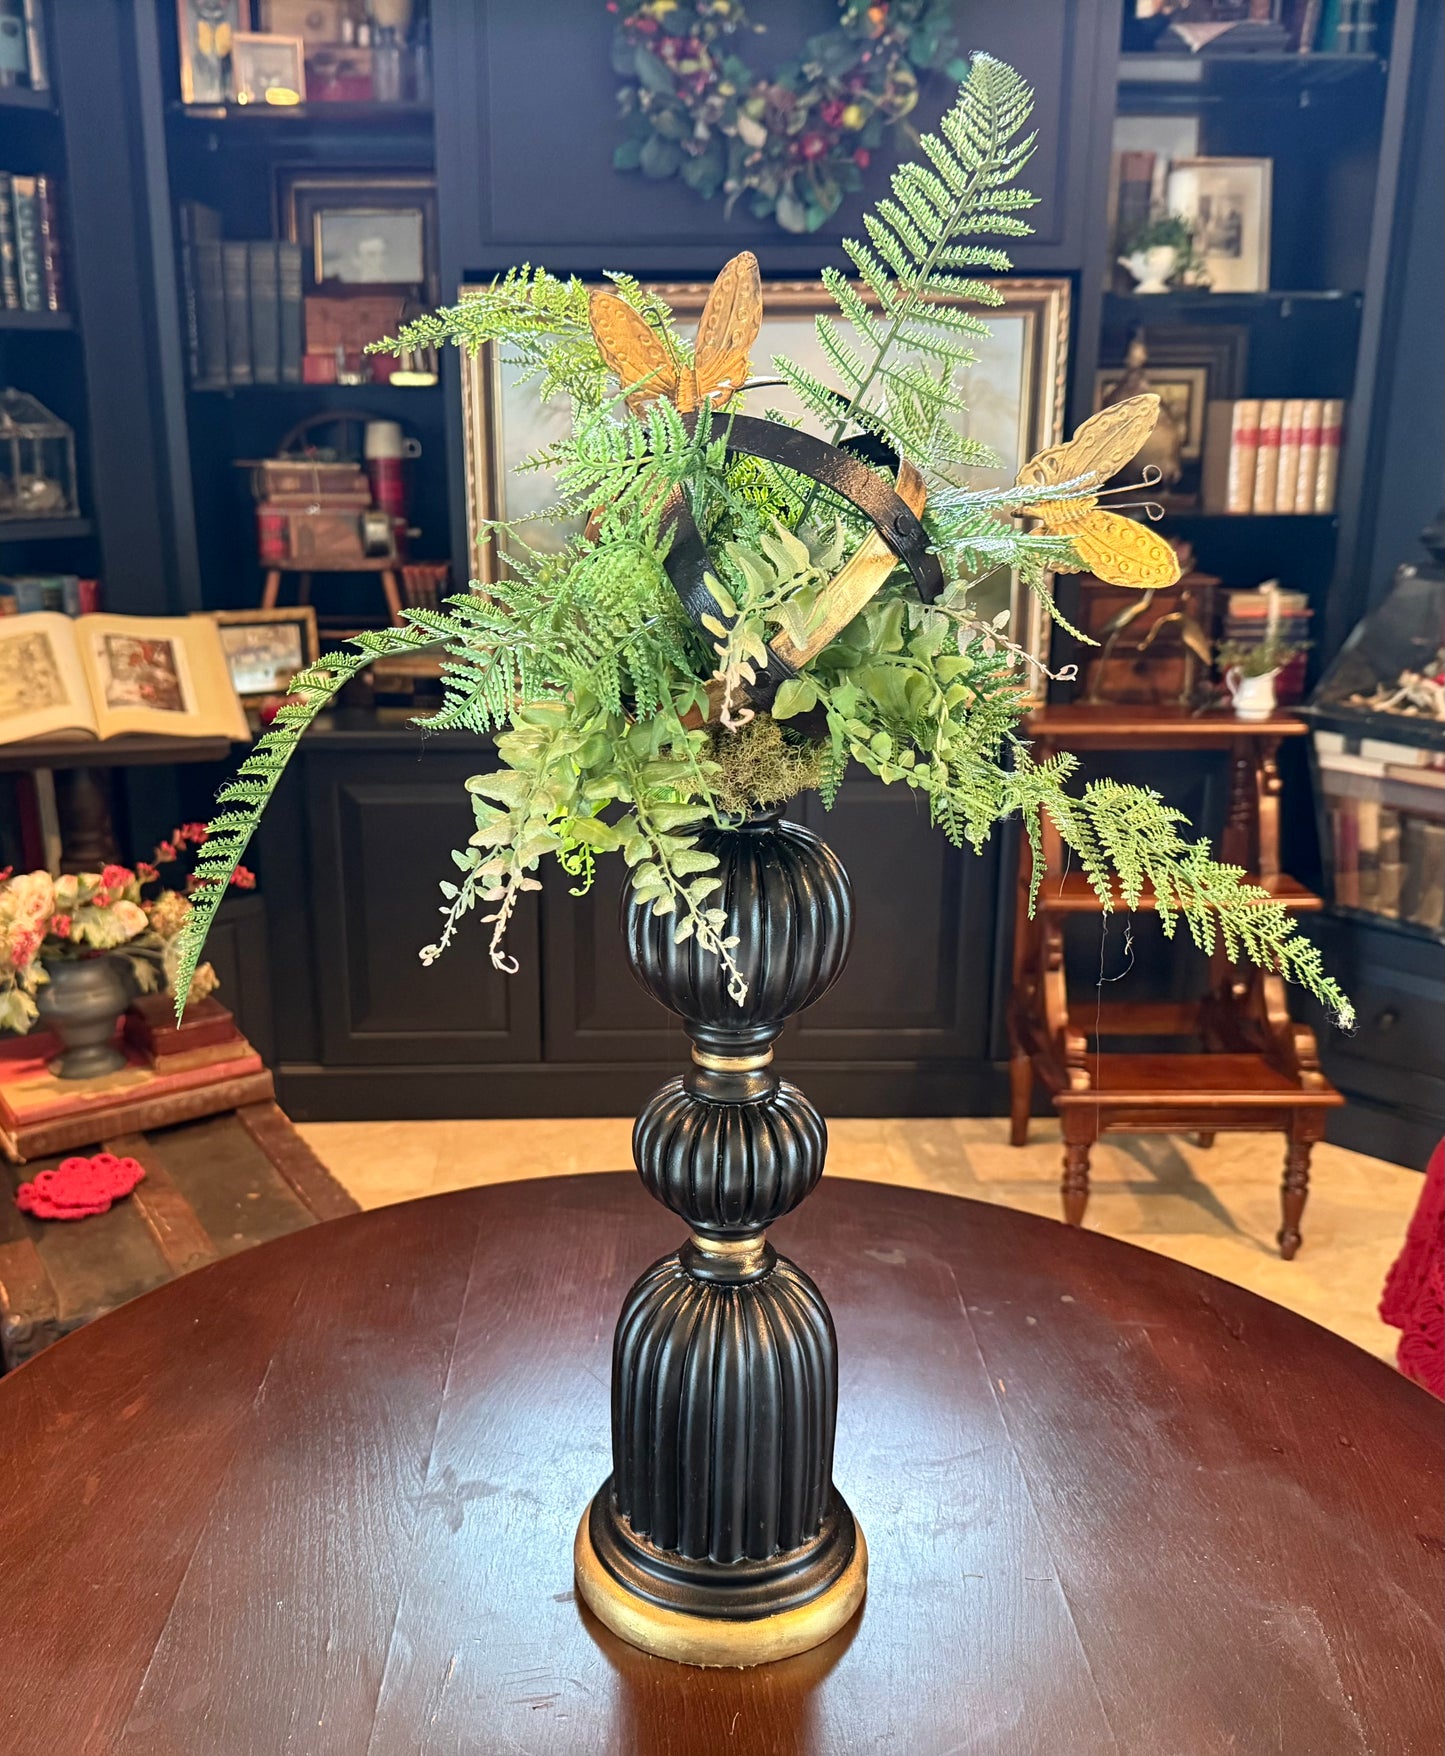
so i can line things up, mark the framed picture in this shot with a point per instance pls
(1229, 203)
(266, 648)
(207, 30)
(1190, 365)
(267, 69)
(372, 230)
(1015, 397)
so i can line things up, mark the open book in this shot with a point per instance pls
(106, 676)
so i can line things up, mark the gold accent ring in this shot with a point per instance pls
(709, 1640)
(732, 1063)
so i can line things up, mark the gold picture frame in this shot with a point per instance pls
(1017, 407)
(260, 668)
(267, 69)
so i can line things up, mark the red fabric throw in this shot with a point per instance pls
(1414, 1296)
(79, 1187)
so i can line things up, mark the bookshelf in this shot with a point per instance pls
(520, 142)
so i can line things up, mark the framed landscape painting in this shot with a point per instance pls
(1014, 394)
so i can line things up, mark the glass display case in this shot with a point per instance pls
(1379, 754)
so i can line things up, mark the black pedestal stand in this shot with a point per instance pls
(719, 1538)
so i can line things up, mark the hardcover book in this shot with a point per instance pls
(236, 286)
(100, 677)
(27, 243)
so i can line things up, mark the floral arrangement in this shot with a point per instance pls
(45, 919)
(627, 722)
(793, 141)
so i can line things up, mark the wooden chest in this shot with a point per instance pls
(212, 1188)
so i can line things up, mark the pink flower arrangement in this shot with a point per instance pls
(87, 914)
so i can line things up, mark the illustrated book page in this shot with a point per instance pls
(43, 686)
(164, 675)
(109, 676)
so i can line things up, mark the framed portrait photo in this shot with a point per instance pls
(1014, 395)
(368, 231)
(1229, 202)
(267, 69)
(264, 649)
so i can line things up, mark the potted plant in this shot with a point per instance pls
(1160, 253)
(75, 950)
(751, 610)
(1249, 672)
(72, 952)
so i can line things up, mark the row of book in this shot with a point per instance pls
(31, 278)
(1388, 862)
(23, 57)
(1275, 454)
(66, 594)
(241, 305)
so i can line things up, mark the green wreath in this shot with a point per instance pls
(795, 141)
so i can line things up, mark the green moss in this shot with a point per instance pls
(758, 766)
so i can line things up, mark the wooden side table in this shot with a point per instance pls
(1256, 1070)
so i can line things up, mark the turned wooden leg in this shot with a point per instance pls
(1021, 1091)
(1294, 1192)
(1204, 1138)
(272, 589)
(1075, 1185)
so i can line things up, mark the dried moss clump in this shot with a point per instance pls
(760, 767)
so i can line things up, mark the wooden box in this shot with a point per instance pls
(1160, 655)
(211, 1189)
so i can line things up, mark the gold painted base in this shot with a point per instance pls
(708, 1640)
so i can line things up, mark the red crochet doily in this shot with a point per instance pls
(79, 1187)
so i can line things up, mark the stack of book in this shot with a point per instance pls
(30, 256)
(1272, 454)
(241, 305)
(66, 594)
(1388, 862)
(1252, 618)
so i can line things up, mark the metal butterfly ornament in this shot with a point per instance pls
(646, 366)
(1115, 549)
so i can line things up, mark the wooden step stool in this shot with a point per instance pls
(1258, 1072)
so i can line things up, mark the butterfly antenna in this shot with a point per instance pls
(1151, 477)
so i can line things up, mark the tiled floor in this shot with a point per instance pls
(1216, 1209)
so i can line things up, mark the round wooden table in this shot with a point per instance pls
(320, 1498)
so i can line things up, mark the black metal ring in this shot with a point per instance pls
(843, 473)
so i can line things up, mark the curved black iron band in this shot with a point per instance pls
(842, 473)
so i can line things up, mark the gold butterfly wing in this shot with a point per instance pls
(1098, 450)
(1119, 550)
(634, 353)
(728, 328)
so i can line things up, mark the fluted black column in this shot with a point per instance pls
(721, 1504)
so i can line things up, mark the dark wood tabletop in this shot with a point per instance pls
(320, 1498)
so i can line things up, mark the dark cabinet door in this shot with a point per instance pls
(917, 983)
(594, 1007)
(534, 131)
(916, 986)
(381, 829)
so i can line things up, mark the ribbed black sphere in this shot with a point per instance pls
(729, 1168)
(723, 1412)
(788, 901)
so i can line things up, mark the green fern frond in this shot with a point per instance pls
(229, 833)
